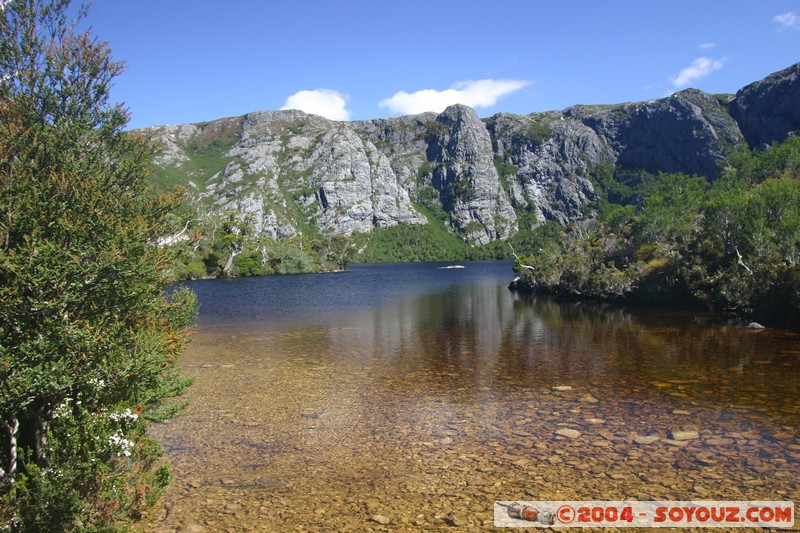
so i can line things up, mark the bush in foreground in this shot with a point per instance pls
(89, 338)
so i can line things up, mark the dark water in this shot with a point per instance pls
(467, 322)
(407, 383)
(330, 298)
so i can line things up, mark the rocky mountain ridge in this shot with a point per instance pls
(287, 173)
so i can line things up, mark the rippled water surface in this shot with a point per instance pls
(410, 397)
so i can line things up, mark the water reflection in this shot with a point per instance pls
(433, 391)
(474, 336)
(679, 354)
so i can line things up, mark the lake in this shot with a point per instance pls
(413, 396)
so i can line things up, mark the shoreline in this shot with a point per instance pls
(748, 321)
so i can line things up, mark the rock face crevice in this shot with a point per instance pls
(287, 172)
(460, 149)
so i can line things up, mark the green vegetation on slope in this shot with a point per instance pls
(217, 246)
(204, 160)
(407, 243)
(732, 245)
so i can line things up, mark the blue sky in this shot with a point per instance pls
(196, 60)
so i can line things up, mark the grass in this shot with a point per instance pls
(204, 161)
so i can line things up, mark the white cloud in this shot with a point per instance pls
(473, 93)
(700, 68)
(707, 46)
(324, 102)
(788, 21)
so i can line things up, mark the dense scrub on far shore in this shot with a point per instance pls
(731, 245)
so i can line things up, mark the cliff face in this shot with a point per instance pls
(286, 172)
(464, 175)
(545, 159)
(687, 132)
(769, 110)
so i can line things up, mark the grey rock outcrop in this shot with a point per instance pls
(546, 159)
(768, 111)
(287, 172)
(466, 179)
(170, 140)
(687, 132)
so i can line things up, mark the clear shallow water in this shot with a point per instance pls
(434, 391)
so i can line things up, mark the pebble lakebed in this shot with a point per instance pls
(300, 441)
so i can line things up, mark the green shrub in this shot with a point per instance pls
(90, 340)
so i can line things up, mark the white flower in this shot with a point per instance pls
(126, 416)
(118, 440)
(62, 409)
(97, 383)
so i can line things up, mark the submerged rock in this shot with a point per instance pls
(678, 435)
(568, 433)
(455, 520)
(380, 519)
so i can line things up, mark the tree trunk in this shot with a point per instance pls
(40, 441)
(264, 256)
(521, 264)
(226, 270)
(13, 429)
